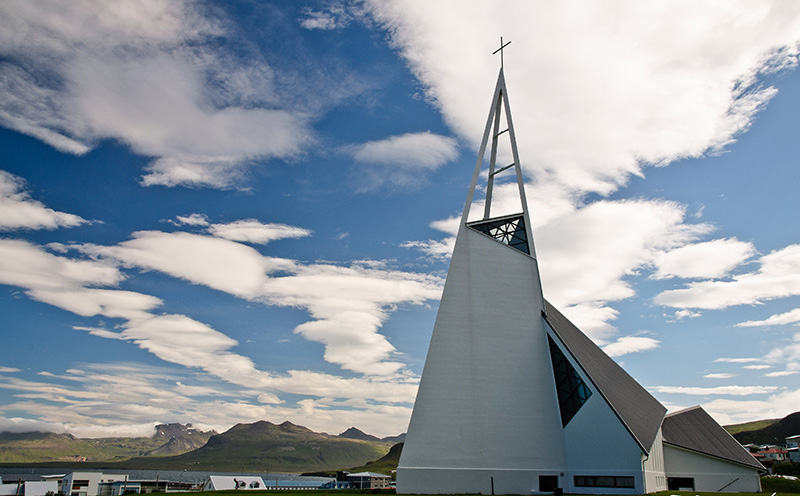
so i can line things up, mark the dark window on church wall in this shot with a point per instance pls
(572, 392)
(604, 481)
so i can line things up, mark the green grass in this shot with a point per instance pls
(749, 426)
(769, 485)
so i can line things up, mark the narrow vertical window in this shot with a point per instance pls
(572, 392)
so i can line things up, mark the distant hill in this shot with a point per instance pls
(395, 439)
(41, 447)
(258, 447)
(267, 447)
(386, 465)
(773, 433)
(353, 433)
(749, 426)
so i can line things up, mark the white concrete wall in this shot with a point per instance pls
(486, 402)
(598, 444)
(40, 488)
(710, 474)
(655, 478)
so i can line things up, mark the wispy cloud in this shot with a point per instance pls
(737, 360)
(790, 317)
(667, 100)
(630, 344)
(161, 78)
(19, 211)
(707, 260)
(718, 390)
(778, 277)
(253, 231)
(719, 375)
(402, 160)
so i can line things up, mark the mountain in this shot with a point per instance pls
(258, 447)
(40, 447)
(773, 433)
(353, 433)
(386, 465)
(401, 438)
(180, 439)
(267, 447)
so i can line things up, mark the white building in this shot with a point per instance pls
(40, 488)
(515, 399)
(241, 482)
(87, 483)
(369, 480)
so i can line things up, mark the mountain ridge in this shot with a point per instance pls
(259, 446)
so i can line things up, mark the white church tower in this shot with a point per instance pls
(500, 386)
(514, 399)
(486, 418)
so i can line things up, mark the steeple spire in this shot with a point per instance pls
(514, 230)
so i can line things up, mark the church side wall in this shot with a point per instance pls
(655, 478)
(485, 408)
(710, 474)
(598, 445)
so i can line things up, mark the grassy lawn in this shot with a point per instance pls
(769, 485)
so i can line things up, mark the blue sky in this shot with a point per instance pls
(228, 212)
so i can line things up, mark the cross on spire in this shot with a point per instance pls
(501, 50)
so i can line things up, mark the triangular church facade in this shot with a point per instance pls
(514, 399)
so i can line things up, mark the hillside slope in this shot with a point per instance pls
(40, 447)
(267, 447)
(774, 433)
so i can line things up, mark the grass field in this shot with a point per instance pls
(769, 486)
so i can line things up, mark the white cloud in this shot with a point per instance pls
(782, 373)
(146, 75)
(623, 236)
(721, 390)
(737, 360)
(415, 151)
(19, 211)
(778, 277)
(348, 304)
(401, 160)
(720, 375)
(787, 354)
(192, 220)
(630, 344)
(9, 370)
(598, 91)
(757, 367)
(253, 231)
(790, 317)
(707, 260)
(217, 263)
(684, 314)
(16, 424)
(776, 406)
(334, 17)
(94, 407)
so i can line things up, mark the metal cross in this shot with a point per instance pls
(501, 50)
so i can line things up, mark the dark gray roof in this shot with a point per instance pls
(695, 430)
(638, 410)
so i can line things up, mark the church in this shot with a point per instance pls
(515, 399)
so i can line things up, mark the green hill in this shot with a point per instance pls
(266, 447)
(772, 433)
(386, 465)
(42, 447)
(749, 426)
